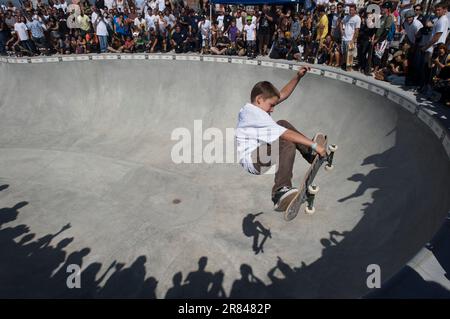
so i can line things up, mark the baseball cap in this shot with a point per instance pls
(387, 5)
(409, 14)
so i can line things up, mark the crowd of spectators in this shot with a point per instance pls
(399, 41)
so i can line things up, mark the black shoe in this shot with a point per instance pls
(283, 197)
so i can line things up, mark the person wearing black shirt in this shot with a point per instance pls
(100, 4)
(364, 44)
(185, 20)
(263, 22)
(179, 40)
(4, 35)
(227, 21)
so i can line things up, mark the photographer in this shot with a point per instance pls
(263, 21)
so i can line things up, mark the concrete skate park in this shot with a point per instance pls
(87, 179)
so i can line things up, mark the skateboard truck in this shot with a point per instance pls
(332, 148)
(311, 194)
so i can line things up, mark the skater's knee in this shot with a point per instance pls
(284, 123)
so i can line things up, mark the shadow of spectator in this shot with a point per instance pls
(8, 214)
(177, 291)
(248, 286)
(197, 282)
(126, 282)
(216, 291)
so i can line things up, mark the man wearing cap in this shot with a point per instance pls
(380, 41)
(412, 26)
(250, 37)
(403, 7)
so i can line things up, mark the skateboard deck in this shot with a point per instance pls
(302, 195)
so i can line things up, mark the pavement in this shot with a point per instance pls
(87, 178)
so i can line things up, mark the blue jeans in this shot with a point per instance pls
(103, 39)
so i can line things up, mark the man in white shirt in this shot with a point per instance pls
(101, 30)
(239, 21)
(322, 3)
(150, 19)
(262, 142)
(110, 4)
(250, 37)
(22, 32)
(350, 29)
(161, 5)
(403, 7)
(220, 18)
(348, 3)
(440, 28)
(61, 5)
(205, 27)
(438, 35)
(411, 25)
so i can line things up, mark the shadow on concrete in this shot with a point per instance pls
(389, 233)
(253, 228)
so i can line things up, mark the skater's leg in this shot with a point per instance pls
(285, 161)
(304, 150)
(264, 157)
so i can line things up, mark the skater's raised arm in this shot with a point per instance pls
(289, 88)
(299, 138)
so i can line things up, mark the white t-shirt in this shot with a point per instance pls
(407, 8)
(150, 22)
(152, 4)
(254, 128)
(350, 24)
(220, 22)
(347, 3)
(101, 29)
(94, 16)
(239, 24)
(61, 6)
(138, 22)
(110, 3)
(322, 3)
(120, 4)
(204, 28)
(250, 29)
(140, 4)
(441, 25)
(412, 29)
(21, 29)
(161, 5)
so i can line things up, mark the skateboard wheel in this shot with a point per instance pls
(329, 167)
(313, 189)
(333, 147)
(310, 211)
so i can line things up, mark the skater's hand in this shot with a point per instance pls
(321, 150)
(302, 71)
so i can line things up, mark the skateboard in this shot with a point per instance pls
(307, 190)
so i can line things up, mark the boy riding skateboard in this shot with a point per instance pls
(263, 144)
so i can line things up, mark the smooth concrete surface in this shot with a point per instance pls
(87, 178)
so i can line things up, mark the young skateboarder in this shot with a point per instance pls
(262, 142)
